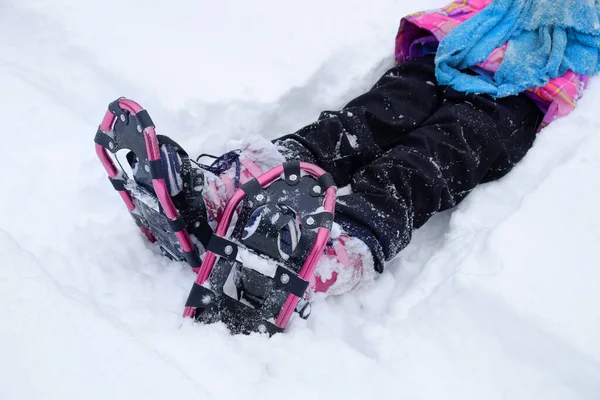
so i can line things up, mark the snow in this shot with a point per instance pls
(263, 265)
(353, 140)
(496, 300)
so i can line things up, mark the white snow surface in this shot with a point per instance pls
(499, 299)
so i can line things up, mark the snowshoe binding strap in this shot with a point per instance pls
(152, 195)
(256, 271)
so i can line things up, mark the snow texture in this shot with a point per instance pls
(495, 300)
(263, 265)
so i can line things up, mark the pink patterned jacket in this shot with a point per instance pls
(420, 34)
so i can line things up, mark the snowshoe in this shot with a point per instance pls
(265, 249)
(160, 195)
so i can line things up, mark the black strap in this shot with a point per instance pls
(203, 231)
(144, 119)
(177, 224)
(320, 220)
(252, 188)
(156, 169)
(291, 282)
(220, 246)
(192, 258)
(105, 141)
(118, 184)
(292, 168)
(325, 181)
(282, 221)
(200, 297)
(114, 108)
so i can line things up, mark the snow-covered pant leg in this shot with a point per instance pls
(343, 141)
(468, 140)
(410, 148)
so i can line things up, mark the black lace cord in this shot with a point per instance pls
(222, 164)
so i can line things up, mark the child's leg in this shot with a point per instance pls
(470, 139)
(408, 147)
(343, 141)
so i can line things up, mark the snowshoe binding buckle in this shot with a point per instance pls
(256, 270)
(149, 194)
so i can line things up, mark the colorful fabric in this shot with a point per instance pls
(422, 32)
(546, 39)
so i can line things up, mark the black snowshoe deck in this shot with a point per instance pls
(253, 279)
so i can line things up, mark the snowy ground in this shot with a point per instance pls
(498, 300)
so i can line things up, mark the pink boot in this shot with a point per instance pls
(346, 261)
(346, 264)
(228, 172)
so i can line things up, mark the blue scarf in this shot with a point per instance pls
(546, 38)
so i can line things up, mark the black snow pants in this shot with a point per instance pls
(409, 148)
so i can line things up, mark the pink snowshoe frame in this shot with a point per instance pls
(183, 236)
(311, 261)
(160, 187)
